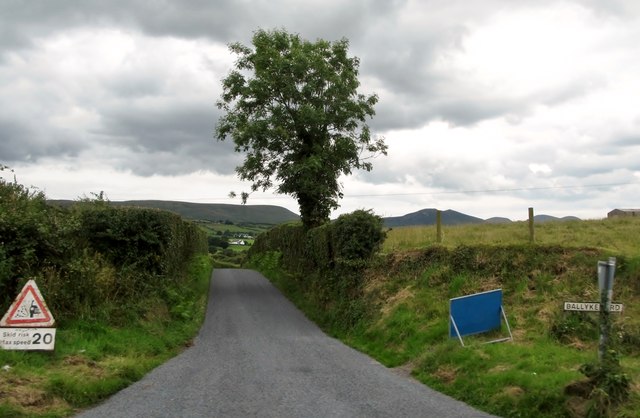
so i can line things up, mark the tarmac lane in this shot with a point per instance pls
(257, 355)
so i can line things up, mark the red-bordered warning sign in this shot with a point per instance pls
(28, 310)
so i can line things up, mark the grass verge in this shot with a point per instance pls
(406, 323)
(93, 360)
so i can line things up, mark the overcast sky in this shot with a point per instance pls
(488, 107)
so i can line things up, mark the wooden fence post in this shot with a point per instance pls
(531, 229)
(439, 226)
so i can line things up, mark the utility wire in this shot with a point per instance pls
(518, 189)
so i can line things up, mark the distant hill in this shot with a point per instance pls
(428, 217)
(257, 214)
(548, 218)
(498, 220)
(451, 217)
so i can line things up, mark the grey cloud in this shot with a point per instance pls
(182, 131)
(21, 143)
(400, 56)
(470, 111)
(430, 97)
(179, 161)
(163, 129)
(13, 145)
(222, 20)
(134, 86)
(613, 7)
(627, 141)
(417, 111)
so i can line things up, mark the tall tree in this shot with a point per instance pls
(293, 108)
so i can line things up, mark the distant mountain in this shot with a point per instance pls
(257, 214)
(451, 217)
(498, 220)
(548, 218)
(428, 217)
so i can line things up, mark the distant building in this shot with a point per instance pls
(237, 242)
(623, 212)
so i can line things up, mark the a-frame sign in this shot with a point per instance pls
(28, 310)
(27, 325)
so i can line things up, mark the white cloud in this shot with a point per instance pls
(540, 168)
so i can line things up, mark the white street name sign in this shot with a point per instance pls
(591, 307)
(27, 338)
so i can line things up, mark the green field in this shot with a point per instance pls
(231, 228)
(617, 236)
(405, 300)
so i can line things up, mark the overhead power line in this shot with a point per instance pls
(445, 192)
(519, 189)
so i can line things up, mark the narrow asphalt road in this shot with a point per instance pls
(258, 356)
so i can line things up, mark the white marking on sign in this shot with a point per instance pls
(591, 307)
(27, 338)
(28, 310)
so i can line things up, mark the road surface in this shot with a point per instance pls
(258, 356)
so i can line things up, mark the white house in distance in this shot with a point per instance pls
(623, 212)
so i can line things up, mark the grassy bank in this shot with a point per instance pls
(402, 312)
(93, 359)
(617, 235)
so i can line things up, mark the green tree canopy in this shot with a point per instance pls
(293, 108)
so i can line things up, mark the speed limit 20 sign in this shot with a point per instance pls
(27, 338)
(27, 325)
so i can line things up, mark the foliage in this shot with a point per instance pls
(292, 106)
(32, 237)
(610, 385)
(215, 242)
(91, 260)
(358, 235)
(289, 240)
(349, 241)
(571, 325)
(331, 258)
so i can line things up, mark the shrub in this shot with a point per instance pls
(91, 260)
(357, 236)
(326, 262)
(30, 237)
(610, 385)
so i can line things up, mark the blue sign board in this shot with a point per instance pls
(475, 313)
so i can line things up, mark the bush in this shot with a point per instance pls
(216, 242)
(319, 247)
(288, 239)
(570, 325)
(31, 237)
(357, 236)
(327, 262)
(610, 385)
(91, 260)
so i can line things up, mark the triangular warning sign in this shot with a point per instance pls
(28, 310)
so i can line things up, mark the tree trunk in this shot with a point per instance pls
(311, 211)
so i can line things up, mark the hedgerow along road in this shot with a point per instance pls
(259, 356)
